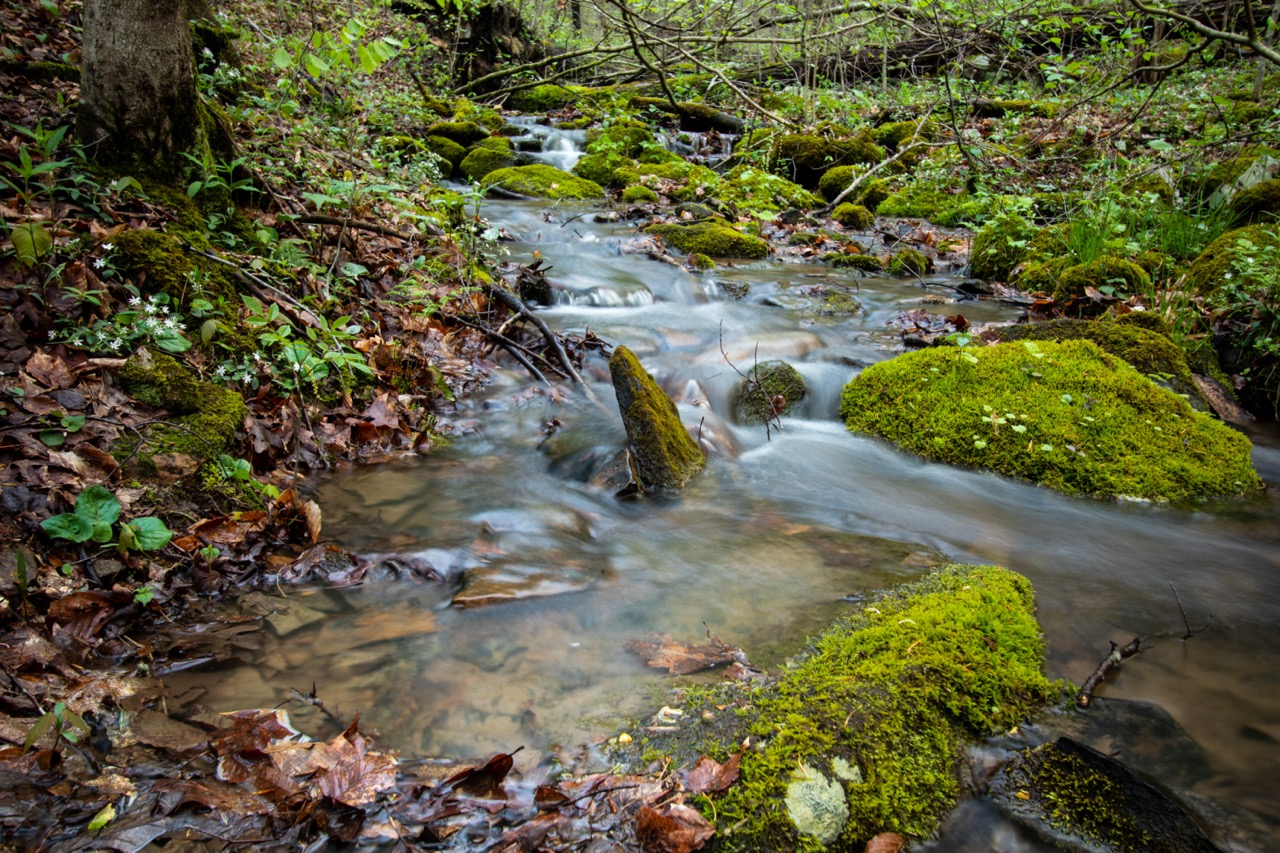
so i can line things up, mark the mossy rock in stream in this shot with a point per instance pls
(713, 238)
(854, 216)
(446, 149)
(1149, 350)
(205, 416)
(542, 181)
(909, 262)
(804, 158)
(483, 160)
(464, 133)
(602, 168)
(1209, 270)
(864, 261)
(664, 455)
(1071, 792)
(754, 190)
(1065, 415)
(772, 389)
(541, 99)
(639, 195)
(864, 732)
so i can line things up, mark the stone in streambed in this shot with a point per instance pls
(664, 454)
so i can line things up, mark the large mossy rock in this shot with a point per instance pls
(483, 160)
(1065, 415)
(1211, 268)
(664, 455)
(1150, 351)
(542, 99)
(712, 238)
(998, 247)
(864, 733)
(464, 133)
(757, 191)
(543, 181)
(203, 418)
(804, 158)
(1108, 271)
(446, 149)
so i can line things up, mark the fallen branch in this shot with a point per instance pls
(514, 302)
(361, 225)
(1117, 656)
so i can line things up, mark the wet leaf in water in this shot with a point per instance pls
(886, 842)
(660, 651)
(486, 780)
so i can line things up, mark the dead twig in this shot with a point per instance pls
(1117, 656)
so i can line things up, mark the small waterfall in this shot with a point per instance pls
(551, 145)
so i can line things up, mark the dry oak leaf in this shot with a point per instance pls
(672, 828)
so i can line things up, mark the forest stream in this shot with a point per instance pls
(546, 577)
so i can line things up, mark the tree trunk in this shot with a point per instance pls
(139, 109)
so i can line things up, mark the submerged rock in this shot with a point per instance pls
(1074, 793)
(771, 389)
(664, 454)
(1065, 415)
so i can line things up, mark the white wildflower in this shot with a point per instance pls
(100, 263)
(116, 344)
(107, 247)
(135, 301)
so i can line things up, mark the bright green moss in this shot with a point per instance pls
(880, 706)
(1209, 270)
(679, 180)
(1001, 107)
(639, 195)
(1108, 271)
(626, 138)
(41, 70)
(836, 180)
(206, 416)
(895, 133)
(771, 389)
(464, 133)
(853, 260)
(854, 216)
(757, 191)
(1149, 350)
(483, 160)
(921, 201)
(601, 167)
(156, 261)
(805, 158)
(909, 262)
(466, 112)
(446, 149)
(543, 181)
(665, 456)
(1065, 415)
(700, 262)
(998, 247)
(542, 99)
(712, 238)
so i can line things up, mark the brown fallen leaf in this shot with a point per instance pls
(885, 842)
(660, 651)
(709, 776)
(486, 780)
(672, 828)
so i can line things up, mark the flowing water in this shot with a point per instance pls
(763, 548)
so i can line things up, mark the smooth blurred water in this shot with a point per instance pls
(761, 549)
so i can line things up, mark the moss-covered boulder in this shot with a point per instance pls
(664, 455)
(543, 181)
(465, 133)
(1065, 415)
(1259, 203)
(1000, 107)
(204, 416)
(693, 117)
(936, 204)
(804, 158)
(679, 180)
(909, 262)
(864, 732)
(836, 180)
(854, 216)
(446, 149)
(754, 190)
(895, 133)
(864, 261)
(713, 238)
(999, 246)
(541, 99)
(159, 259)
(1210, 269)
(639, 195)
(1108, 274)
(482, 160)
(601, 168)
(772, 389)
(627, 138)
(1149, 350)
(699, 262)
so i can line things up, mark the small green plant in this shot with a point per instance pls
(96, 513)
(63, 722)
(150, 320)
(1250, 293)
(319, 353)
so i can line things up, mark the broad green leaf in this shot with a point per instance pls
(315, 66)
(149, 533)
(53, 437)
(1159, 145)
(42, 725)
(207, 330)
(101, 532)
(282, 58)
(96, 503)
(105, 815)
(31, 241)
(194, 188)
(73, 423)
(70, 526)
(368, 61)
(173, 343)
